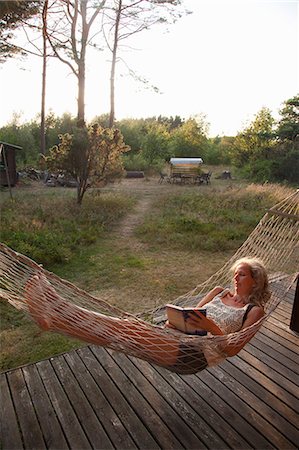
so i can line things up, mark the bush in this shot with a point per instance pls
(139, 163)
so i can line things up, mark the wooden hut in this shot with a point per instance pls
(8, 170)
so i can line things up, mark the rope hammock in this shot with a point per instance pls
(72, 311)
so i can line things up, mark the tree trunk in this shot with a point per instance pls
(44, 76)
(81, 94)
(113, 65)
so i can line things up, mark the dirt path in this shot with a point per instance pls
(146, 192)
(135, 218)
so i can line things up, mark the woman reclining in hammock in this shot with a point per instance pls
(227, 312)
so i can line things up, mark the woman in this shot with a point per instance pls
(227, 312)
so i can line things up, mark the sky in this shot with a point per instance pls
(226, 61)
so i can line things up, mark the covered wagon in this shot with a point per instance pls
(185, 169)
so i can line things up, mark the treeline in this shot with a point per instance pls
(265, 150)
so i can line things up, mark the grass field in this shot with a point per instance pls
(180, 236)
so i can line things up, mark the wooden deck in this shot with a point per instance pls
(92, 398)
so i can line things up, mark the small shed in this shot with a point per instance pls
(8, 170)
(185, 166)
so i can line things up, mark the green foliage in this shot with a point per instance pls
(219, 150)
(91, 155)
(55, 126)
(267, 154)
(255, 141)
(132, 131)
(188, 140)
(23, 137)
(138, 162)
(155, 142)
(286, 164)
(262, 152)
(12, 14)
(171, 122)
(259, 170)
(288, 127)
(135, 162)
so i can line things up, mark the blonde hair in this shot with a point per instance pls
(260, 292)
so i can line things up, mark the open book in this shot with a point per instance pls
(178, 317)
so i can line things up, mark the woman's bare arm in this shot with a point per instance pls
(202, 322)
(209, 297)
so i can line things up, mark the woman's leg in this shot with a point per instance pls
(53, 313)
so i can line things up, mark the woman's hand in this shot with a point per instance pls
(200, 322)
(169, 325)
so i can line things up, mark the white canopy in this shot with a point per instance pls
(191, 161)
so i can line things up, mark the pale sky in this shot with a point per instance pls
(227, 60)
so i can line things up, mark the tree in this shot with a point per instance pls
(22, 14)
(44, 77)
(131, 131)
(25, 135)
(90, 155)
(189, 140)
(12, 15)
(155, 142)
(125, 18)
(287, 147)
(288, 126)
(69, 38)
(171, 122)
(256, 141)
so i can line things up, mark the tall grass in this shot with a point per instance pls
(51, 228)
(209, 220)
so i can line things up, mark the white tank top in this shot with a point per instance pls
(228, 318)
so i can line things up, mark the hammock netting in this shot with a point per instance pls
(67, 309)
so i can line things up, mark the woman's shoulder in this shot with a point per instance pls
(225, 293)
(219, 291)
(255, 311)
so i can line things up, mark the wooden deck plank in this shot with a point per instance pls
(50, 426)
(170, 417)
(158, 379)
(82, 408)
(131, 404)
(278, 361)
(285, 389)
(260, 387)
(280, 340)
(206, 421)
(263, 417)
(29, 425)
(282, 331)
(233, 410)
(273, 409)
(143, 401)
(279, 347)
(75, 436)
(100, 404)
(117, 388)
(10, 436)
